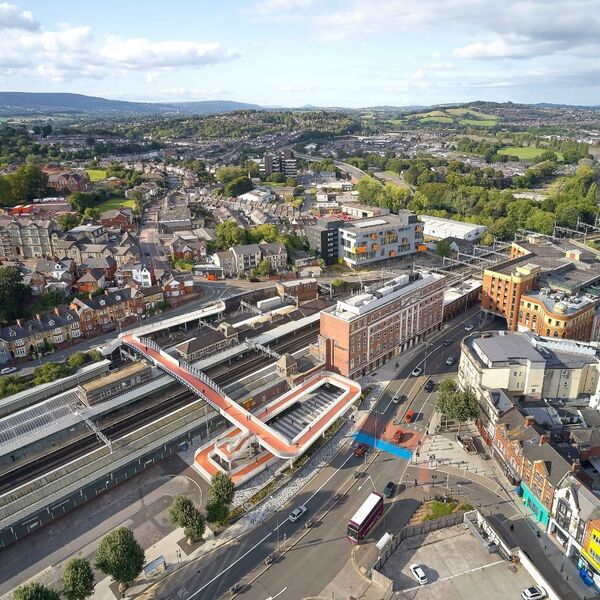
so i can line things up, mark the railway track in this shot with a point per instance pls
(125, 423)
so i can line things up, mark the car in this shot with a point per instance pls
(389, 489)
(416, 371)
(535, 592)
(398, 434)
(419, 574)
(450, 360)
(146, 253)
(399, 399)
(297, 513)
(360, 450)
(469, 328)
(8, 370)
(409, 416)
(254, 280)
(429, 386)
(447, 343)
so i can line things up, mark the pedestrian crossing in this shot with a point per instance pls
(306, 412)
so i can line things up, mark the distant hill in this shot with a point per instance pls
(31, 104)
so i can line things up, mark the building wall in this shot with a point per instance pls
(535, 316)
(501, 292)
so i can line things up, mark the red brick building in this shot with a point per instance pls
(120, 218)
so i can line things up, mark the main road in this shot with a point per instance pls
(324, 549)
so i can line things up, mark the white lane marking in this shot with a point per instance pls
(269, 534)
(277, 594)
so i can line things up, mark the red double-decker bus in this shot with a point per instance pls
(365, 518)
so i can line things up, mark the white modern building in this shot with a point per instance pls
(438, 229)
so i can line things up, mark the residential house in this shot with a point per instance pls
(143, 273)
(105, 312)
(28, 238)
(28, 336)
(106, 264)
(175, 286)
(120, 218)
(53, 275)
(76, 181)
(91, 281)
(246, 257)
(187, 246)
(96, 234)
(275, 253)
(225, 261)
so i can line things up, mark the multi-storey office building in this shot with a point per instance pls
(360, 334)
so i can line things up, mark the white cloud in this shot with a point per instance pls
(75, 52)
(274, 8)
(135, 53)
(297, 88)
(12, 17)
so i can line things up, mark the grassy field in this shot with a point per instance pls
(478, 123)
(113, 203)
(436, 119)
(526, 152)
(96, 174)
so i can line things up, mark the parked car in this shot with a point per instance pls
(429, 386)
(399, 399)
(419, 574)
(416, 371)
(8, 370)
(389, 489)
(360, 450)
(447, 343)
(468, 327)
(450, 360)
(297, 513)
(535, 592)
(254, 279)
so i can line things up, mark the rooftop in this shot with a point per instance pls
(560, 303)
(457, 226)
(116, 375)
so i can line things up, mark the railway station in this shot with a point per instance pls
(64, 443)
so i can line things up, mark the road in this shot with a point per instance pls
(325, 549)
(396, 179)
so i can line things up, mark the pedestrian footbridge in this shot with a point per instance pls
(285, 427)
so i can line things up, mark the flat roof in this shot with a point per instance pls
(449, 223)
(368, 505)
(372, 223)
(116, 375)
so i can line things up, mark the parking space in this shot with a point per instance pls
(457, 568)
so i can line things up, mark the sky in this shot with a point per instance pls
(351, 53)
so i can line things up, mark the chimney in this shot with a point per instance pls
(38, 317)
(529, 421)
(90, 296)
(57, 311)
(575, 466)
(19, 322)
(545, 438)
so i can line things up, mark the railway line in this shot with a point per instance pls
(122, 424)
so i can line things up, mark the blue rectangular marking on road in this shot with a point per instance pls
(382, 445)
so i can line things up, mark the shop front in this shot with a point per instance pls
(530, 500)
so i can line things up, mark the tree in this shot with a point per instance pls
(217, 512)
(68, 221)
(195, 526)
(181, 510)
(184, 514)
(13, 294)
(77, 360)
(487, 239)
(91, 214)
(443, 248)
(455, 404)
(120, 556)
(228, 234)
(264, 268)
(35, 591)
(78, 579)
(221, 488)
(238, 186)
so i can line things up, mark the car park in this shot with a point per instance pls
(468, 327)
(450, 360)
(389, 489)
(416, 371)
(398, 399)
(8, 370)
(360, 450)
(429, 386)
(535, 592)
(297, 513)
(419, 574)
